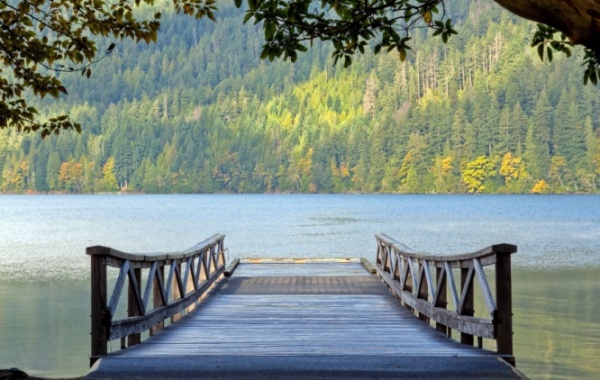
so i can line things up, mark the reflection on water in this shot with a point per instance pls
(44, 329)
(556, 325)
(44, 273)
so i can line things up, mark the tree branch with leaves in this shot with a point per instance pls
(350, 24)
(41, 38)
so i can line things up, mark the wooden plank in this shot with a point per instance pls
(140, 324)
(504, 333)
(116, 295)
(485, 288)
(98, 307)
(149, 284)
(368, 266)
(467, 325)
(453, 291)
(280, 325)
(428, 278)
(159, 297)
(486, 254)
(466, 304)
(151, 257)
(300, 285)
(289, 269)
(135, 305)
(287, 260)
(281, 309)
(440, 298)
(230, 268)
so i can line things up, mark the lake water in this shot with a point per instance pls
(44, 272)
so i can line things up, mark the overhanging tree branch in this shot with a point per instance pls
(45, 36)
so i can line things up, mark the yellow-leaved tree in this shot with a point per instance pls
(540, 187)
(512, 168)
(109, 180)
(476, 172)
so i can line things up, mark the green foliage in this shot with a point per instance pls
(544, 39)
(546, 42)
(41, 39)
(349, 25)
(200, 112)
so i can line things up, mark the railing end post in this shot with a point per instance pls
(504, 248)
(98, 305)
(504, 314)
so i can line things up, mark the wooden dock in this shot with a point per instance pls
(286, 319)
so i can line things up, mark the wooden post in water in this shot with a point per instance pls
(504, 332)
(98, 304)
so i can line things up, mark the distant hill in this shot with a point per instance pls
(200, 112)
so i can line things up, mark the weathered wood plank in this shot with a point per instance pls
(135, 305)
(116, 295)
(300, 285)
(368, 266)
(271, 322)
(485, 288)
(98, 307)
(140, 324)
(486, 255)
(277, 269)
(230, 268)
(504, 336)
(311, 323)
(286, 310)
(466, 324)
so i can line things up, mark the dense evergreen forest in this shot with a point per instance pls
(200, 112)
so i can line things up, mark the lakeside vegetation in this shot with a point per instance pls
(200, 112)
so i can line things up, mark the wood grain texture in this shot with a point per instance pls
(408, 275)
(258, 314)
(300, 321)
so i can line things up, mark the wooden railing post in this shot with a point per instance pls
(221, 253)
(504, 332)
(157, 298)
(176, 292)
(442, 299)
(422, 291)
(98, 305)
(132, 307)
(415, 288)
(468, 308)
(169, 297)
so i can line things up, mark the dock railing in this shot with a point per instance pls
(189, 274)
(410, 276)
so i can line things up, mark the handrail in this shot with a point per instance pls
(202, 265)
(408, 275)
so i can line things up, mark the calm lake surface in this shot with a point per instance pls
(44, 272)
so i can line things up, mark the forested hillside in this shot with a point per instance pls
(200, 112)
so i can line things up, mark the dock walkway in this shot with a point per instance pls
(294, 320)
